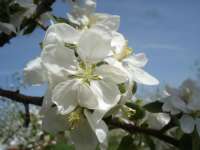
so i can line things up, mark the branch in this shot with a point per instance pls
(115, 122)
(21, 98)
(43, 7)
(131, 128)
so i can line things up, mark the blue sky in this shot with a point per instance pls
(167, 31)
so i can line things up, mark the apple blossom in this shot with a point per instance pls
(70, 64)
(184, 100)
(84, 70)
(131, 63)
(87, 133)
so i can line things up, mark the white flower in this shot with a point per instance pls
(83, 14)
(84, 84)
(77, 81)
(184, 100)
(87, 134)
(132, 64)
(188, 123)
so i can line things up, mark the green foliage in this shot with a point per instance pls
(195, 141)
(134, 89)
(126, 143)
(122, 88)
(154, 107)
(186, 142)
(60, 146)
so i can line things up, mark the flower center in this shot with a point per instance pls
(125, 53)
(74, 118)
(87, 74)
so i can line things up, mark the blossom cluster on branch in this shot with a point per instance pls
(89, 70)
(91, 75)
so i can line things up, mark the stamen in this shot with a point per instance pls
(74, 118)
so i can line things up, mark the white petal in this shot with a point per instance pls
(178, 104)
(57, 54)
(7, 27)
(167, 107)
(94, 45)
(140, 76)
(65, 96)
(83, 137)
(197, 122)
(34, 72)
(187, 124)
(172, 91)
(112, 73)
(107, 92)
(90, 6)
(99, 128)
(111, 22)
(118, 42)
(86, 96)
(158, 120)
(139, 60)
(61, 32)
(47, 101)
(53, 122)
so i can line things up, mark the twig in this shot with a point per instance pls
(27, 115)
(131, 128)
(21, 98)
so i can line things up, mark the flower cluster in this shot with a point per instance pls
(185, 101)
(85, 68)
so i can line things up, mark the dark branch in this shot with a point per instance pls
(44, 6)
(115, 122)
(131, 128)
(27, 115)
(21, 98)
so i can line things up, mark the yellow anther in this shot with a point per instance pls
(125, 53)
(74, 118)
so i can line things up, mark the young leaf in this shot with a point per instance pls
(154, 107)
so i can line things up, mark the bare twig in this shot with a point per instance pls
(21, 98)
(27, 115)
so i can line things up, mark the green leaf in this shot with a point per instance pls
(122, 88)
(63, 146)
(126, 143)
(134, 89)
(195, 141)
(186, 142)
(154, 107)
